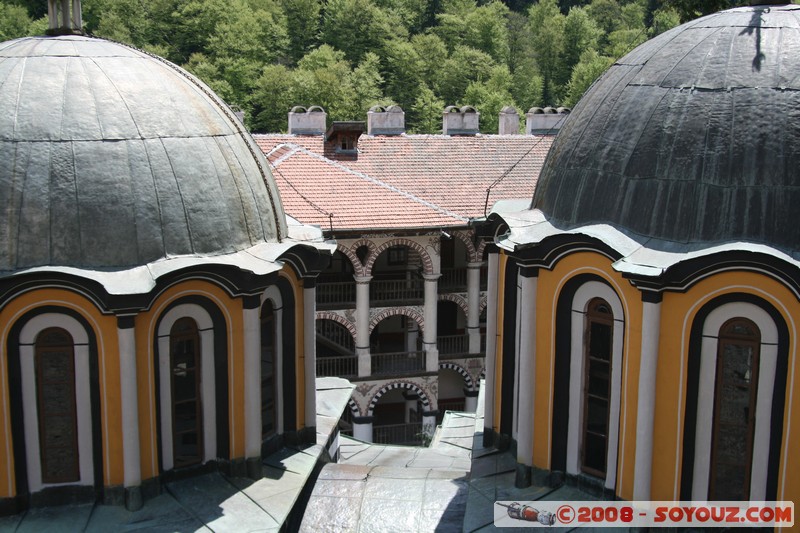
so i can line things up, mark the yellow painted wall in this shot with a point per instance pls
(678, 313)
(550, 285)
(498, 358)
(105, 330)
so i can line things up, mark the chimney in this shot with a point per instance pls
(309, 121)
(463, 121)
(545, 121)
(386, 121)
(509, 121)
(64, 17)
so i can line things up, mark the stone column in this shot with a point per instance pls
(252, 385)
(411, 404)
(429, 422)
(474, 306)
(470, 400)
(429, 335)
(528, 282)
(362, 327)
(362, 428)
(491, 345)
(651, 330)
(131, 454)
(310, 344)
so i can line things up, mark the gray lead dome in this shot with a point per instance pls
(111, 158)
(694, 137)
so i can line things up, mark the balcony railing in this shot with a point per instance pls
(398, 363)
(452, 344)
(345, 366)
(396, 290)
(453, 280)
(336, 335)
(336, 295)
(409, 434)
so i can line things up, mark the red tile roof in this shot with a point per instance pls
(406, 181)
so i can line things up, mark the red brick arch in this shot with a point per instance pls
(457, 299)
(359, 267)
(339, 319)
(411, 313)
(427, 262)
(465, 238)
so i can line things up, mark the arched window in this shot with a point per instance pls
(734, 410)
(597, 345)
(590, 330)
(58, 421)
(185, 375)
(734, 399)
(268, 351)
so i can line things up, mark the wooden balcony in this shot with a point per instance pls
(345, 366)
(396, 291)
(384, 364)
(336, 295)
(406, 434)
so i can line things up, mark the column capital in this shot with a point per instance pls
(432, 277)
(362, 280)
(473, 265)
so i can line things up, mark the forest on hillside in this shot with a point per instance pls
(266, 56)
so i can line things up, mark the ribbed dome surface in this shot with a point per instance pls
(693, 137)
(111, 158)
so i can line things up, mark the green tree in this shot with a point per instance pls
(664, 19)
(580, 34)
(14, 22)
(490, 97)
(426, 112)
(547, 25)
(302, 21)
(464, 66)
(366, 82)
(487, 30)
(358, 26)
(273, 97)
(432, 53)
(404, 72)
(589, 68)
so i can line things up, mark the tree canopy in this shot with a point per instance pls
(266, 56)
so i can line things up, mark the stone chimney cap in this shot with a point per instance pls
(460, 120)
(312, 109)
(387, 109)
(389, 120)
(509, 110)
(309, 121)
(462, 109)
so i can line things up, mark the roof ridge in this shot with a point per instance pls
(375, 181)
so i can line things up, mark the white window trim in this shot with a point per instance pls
(83, 403)
(580, 303)
(274, 294)
(205, 328)
(705, 396)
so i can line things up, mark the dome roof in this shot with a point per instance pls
(111, 158)
(694, 137)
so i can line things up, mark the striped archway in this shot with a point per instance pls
(423, 396)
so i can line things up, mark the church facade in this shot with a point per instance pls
(156, 308)
(645, 307)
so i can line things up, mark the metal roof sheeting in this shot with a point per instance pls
(694, 137)
(111, 158)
